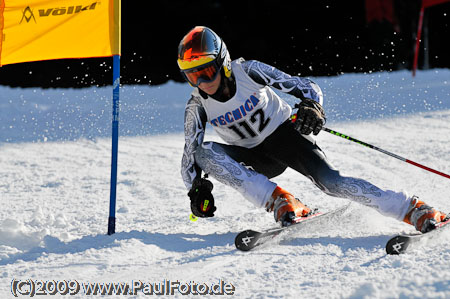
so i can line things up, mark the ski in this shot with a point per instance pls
(249, 239)
(401, 243)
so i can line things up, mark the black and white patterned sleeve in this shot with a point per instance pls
(194, 131)
(299, 87)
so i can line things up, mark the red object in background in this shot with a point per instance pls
(379, 10)
(425, 4)
(428, 3)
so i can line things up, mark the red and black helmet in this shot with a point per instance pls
(201, 55)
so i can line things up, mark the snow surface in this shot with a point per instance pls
(54, 187)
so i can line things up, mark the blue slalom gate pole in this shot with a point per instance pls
(115, 145)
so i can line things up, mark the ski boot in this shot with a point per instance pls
(286, 207)
(423, 217)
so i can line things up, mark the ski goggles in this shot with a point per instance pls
(205, 73)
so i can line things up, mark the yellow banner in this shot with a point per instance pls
(42, 30)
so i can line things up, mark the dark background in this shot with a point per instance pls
(307, 38)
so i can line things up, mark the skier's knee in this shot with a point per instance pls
(328, 181)
(206, 153)
(201, 153)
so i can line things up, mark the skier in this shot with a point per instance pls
(237, 99)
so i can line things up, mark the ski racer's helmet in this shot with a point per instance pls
(202, 54)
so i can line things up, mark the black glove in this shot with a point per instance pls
(202, 201)
(310, 117)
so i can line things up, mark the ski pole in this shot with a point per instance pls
(385, 152)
